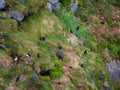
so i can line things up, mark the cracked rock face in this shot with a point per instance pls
(2, 4)
(17, 15)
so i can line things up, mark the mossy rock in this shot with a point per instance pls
(26, 6)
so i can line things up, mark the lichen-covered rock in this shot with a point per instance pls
(2, 4)
(17, 15)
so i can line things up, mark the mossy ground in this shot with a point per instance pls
(78, 68)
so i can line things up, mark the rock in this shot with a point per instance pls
(35, 75)
(105, 84)
(2, 46)
(71, 41)
(57, 6)
(73, 6)
(60, 54)
(19, 16)
(53, 1)
(2, 4)
(53, 4)
(49, 5)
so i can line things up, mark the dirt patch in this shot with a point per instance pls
(98, 32)
(73, 58)
(115, 30)
(5, 61)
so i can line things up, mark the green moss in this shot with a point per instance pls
(2, 87)
(68, 19)
(74, 80)
(57, 70)
(22, 85)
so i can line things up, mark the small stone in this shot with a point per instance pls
(2, 4)
(35, 75)
(19, 16)
(71, 41)
(73, 6)
(105, 84)
(2, 46)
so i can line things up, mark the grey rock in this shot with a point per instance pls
(2, 46)
(49, 5)
(114, 69)
(73, 6)
(19, 16)
(57, 6)
(53, 1)
(35, 75)
(52, 6)
(2, 4)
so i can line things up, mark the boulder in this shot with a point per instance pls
(19, 16)
(53, 1)
(73, 6)
(2, 4)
